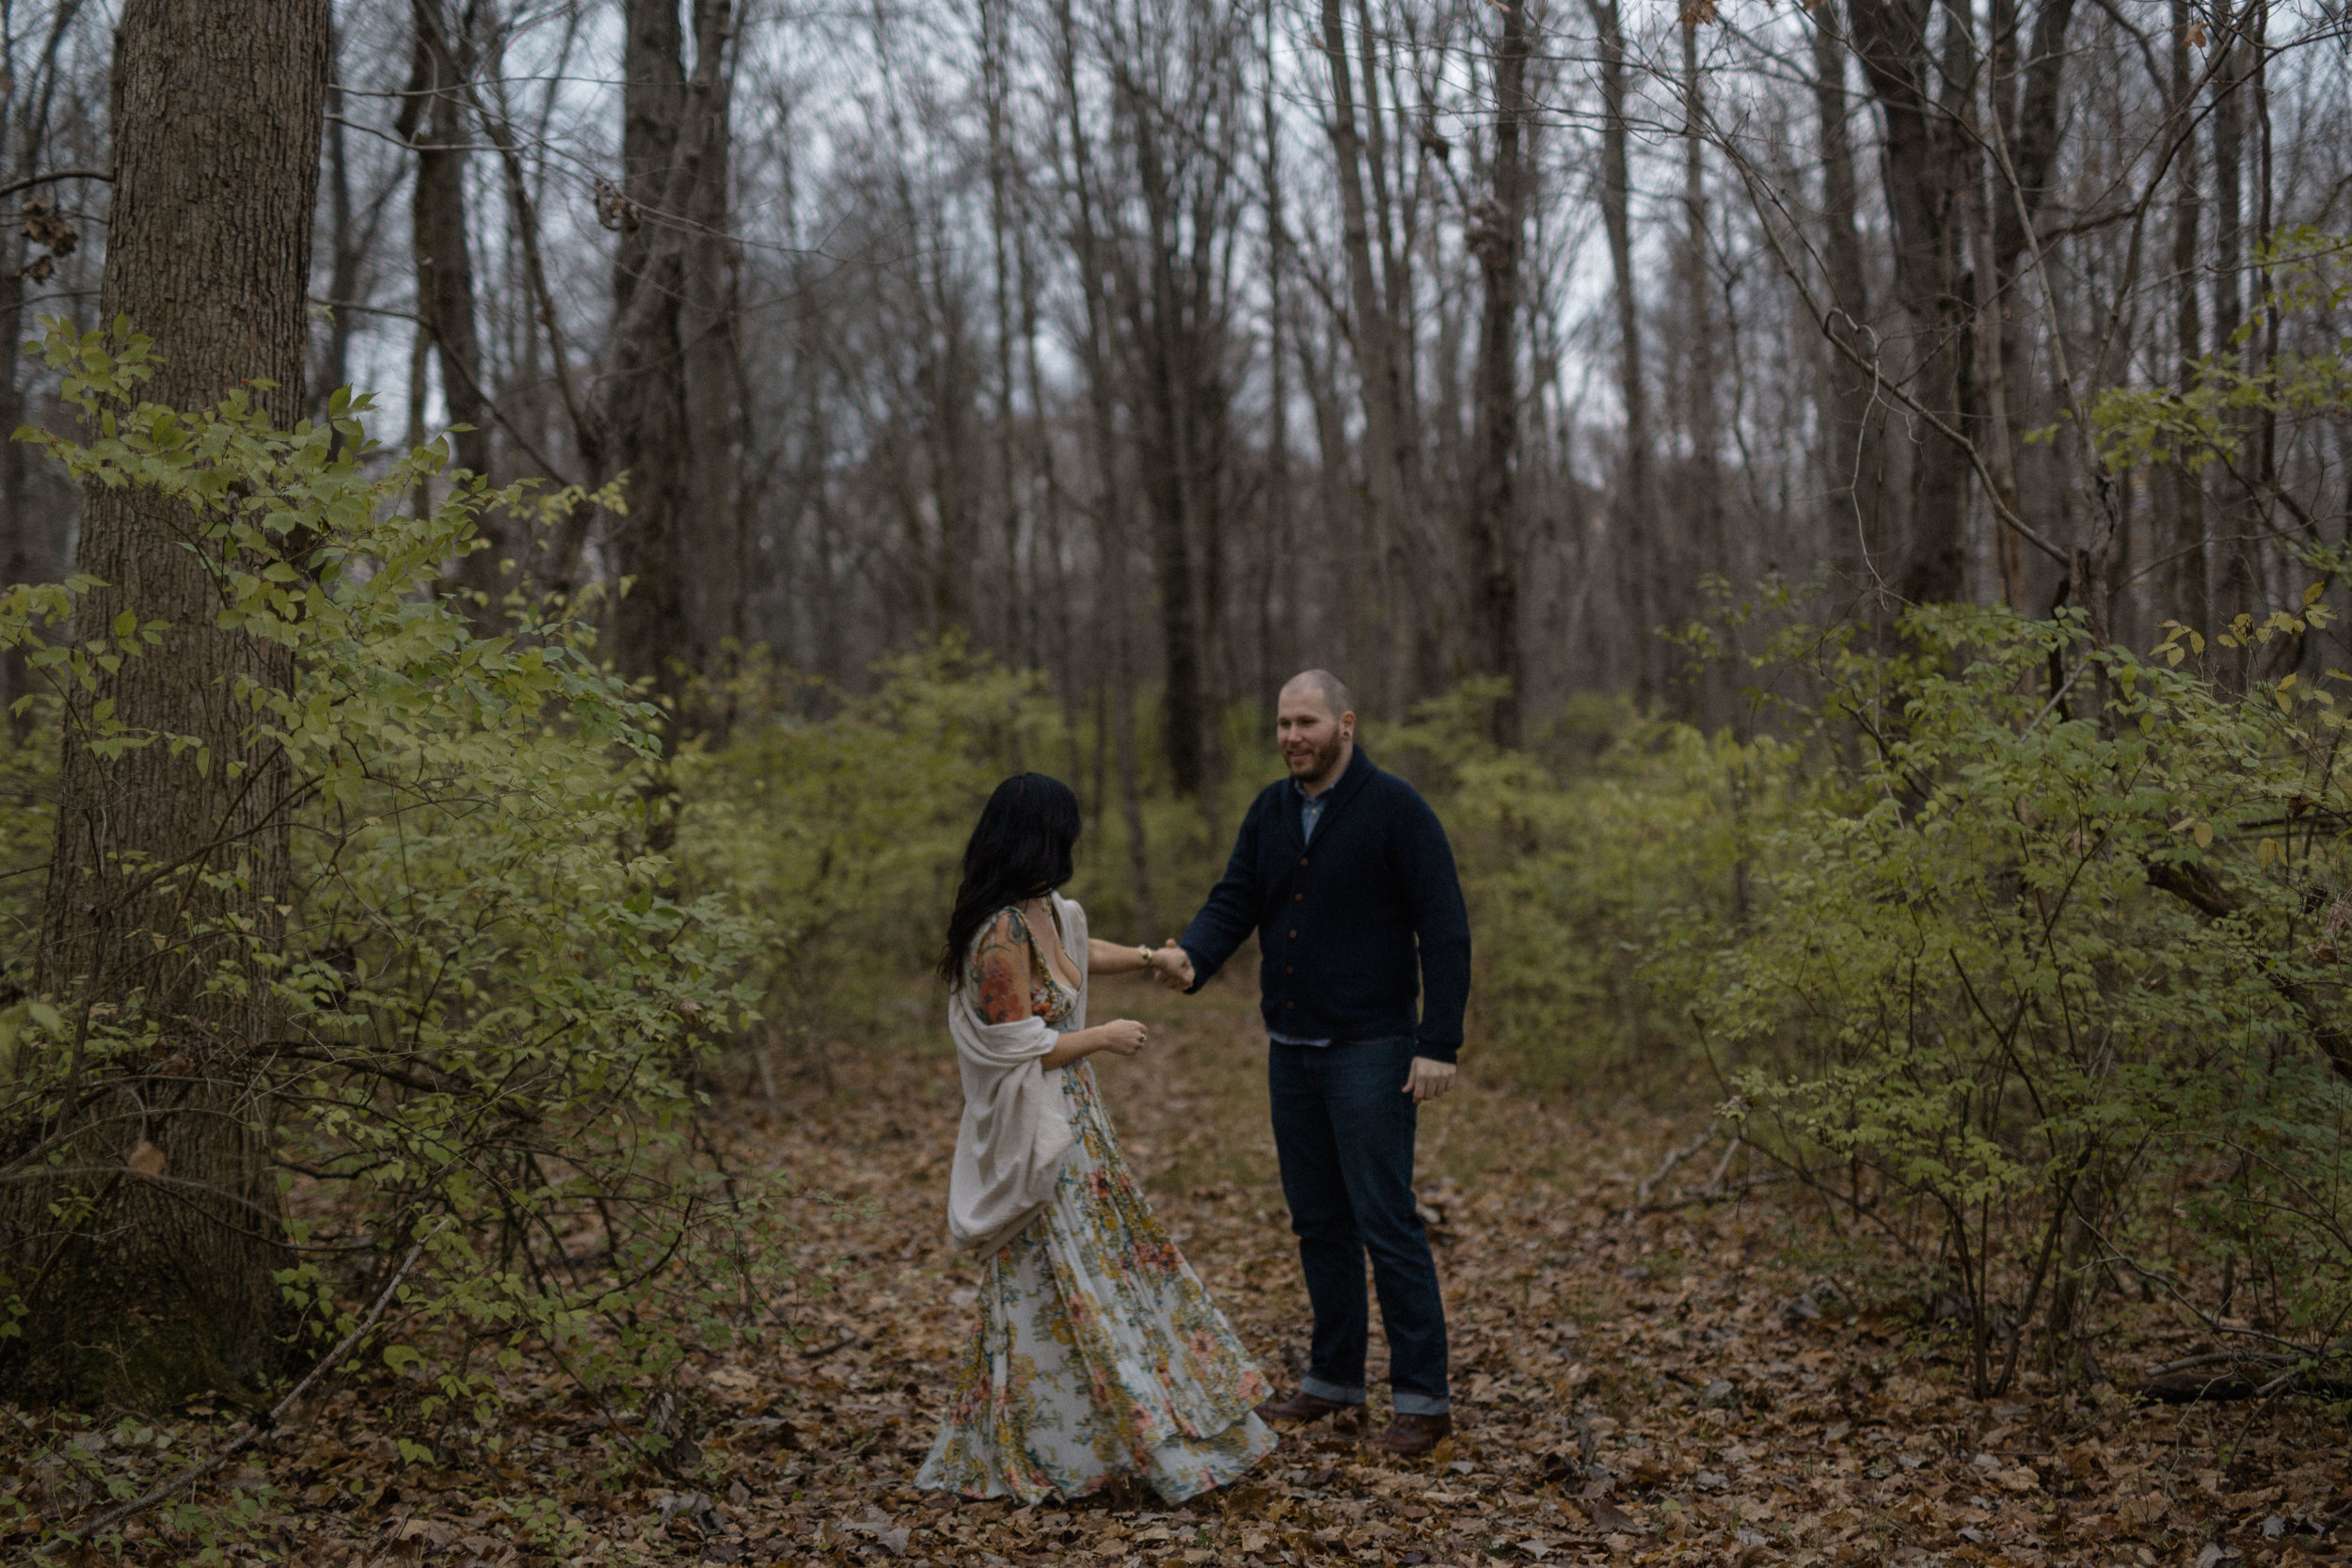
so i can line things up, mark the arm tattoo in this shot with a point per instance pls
(1003, 966)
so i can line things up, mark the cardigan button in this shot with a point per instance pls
(1302, 860)
(1294, 935)
(1290, 1005)
(1289, 969)
(1298, 898)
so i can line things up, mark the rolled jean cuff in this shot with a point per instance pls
(1423, 1404)
(1337, 1393)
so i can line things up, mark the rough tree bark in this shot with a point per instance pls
(1632, 516)
(1377, 362)
(714, 594)
(1704, 547)
(1855, 454)
(1988, 305)
(166, 1285)
(431, 118)
(643, 397)
(1923, 174)
(1276, 634)
(1173, 400)
(673, 136)
(1499, 241)
(2186, 493)
(1111, 505)
(2026, 130)
(2233, 511)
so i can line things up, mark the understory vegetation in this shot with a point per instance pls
(2036, 986)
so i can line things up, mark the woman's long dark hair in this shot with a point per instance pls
(1020, 849)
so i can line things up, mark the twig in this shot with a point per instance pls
(1715, 1181)
(254, 1430)
(30, 181)
(1719, 1194)
(2219, 1358)
(1665, 1168)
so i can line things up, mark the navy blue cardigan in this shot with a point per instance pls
(1338, 921)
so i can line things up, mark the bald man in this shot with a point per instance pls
(1344, 873)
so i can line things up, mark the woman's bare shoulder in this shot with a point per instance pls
(1000, 962)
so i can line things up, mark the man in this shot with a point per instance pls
(1345, 875)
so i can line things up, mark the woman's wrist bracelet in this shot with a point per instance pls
(1145, 954)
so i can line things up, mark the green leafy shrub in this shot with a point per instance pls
(838, 824)
(491, 1006)
(1576, 855)
(835, 825)
(2048, 996)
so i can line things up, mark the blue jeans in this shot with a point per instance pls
(1343, 1126)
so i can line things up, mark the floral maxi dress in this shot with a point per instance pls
(1096, 1349)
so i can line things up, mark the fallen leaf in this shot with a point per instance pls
(1608, 1517)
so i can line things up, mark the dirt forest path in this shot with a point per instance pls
(1710, 1382)
(1679, 1388)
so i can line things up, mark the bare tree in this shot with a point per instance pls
(1499, 241)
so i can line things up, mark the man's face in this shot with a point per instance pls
(1312, 737)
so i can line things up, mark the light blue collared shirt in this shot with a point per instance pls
(1309, 812)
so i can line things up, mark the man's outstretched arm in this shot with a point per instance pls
(1228, 916)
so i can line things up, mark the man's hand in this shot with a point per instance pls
(1172, 966)
(1429, 1079)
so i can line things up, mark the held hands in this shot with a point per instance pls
(1429, 1079)
(1171, 966)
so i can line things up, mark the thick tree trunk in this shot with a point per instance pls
(1377, 362)
(164, 1286)
(1632, 512)
(1169, 400)
(1110, 514)
(1923, 175)
(1704, 547)
(1988, 305)
(2234, 514)
(1278, 632)
(2024, 103)
(645, 404)
(1018, 633)
(1346, 521)
(432, 119)
(350, 243)
(1853, 452)
(1500, 242)
(713, 593)
(673, 141)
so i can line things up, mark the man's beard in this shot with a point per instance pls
(1320, 761)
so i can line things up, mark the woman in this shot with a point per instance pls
(1097, 1351)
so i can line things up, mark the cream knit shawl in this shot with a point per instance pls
(1014, 1131)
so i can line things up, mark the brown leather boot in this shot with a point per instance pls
(1410, 1437)
(1299, 1409)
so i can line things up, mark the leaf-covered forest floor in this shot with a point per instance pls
(1710, 1382)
